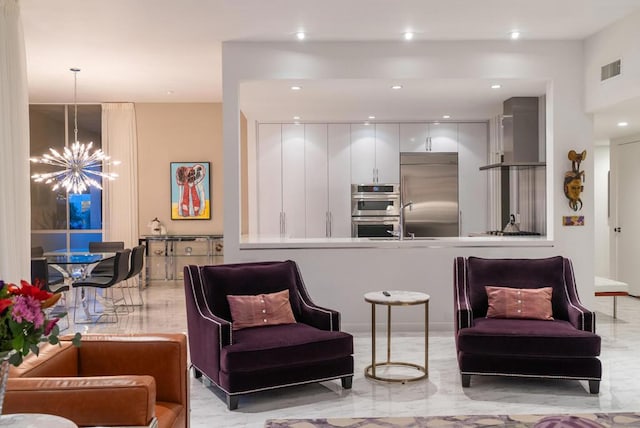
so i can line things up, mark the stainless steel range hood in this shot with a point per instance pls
(521, 133)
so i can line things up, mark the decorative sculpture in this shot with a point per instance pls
(573, 180)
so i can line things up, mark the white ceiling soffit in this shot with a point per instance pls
(355, 100)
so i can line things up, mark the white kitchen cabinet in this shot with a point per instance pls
(304, 180)
(363, 154)
(293, 181)
(387, 153)
(339, 173)
(316, 180)
(269, 174)
(328, 190)
(472, 183)
(375, 153)
(429, 137)
(281, 206)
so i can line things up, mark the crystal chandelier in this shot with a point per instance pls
(79, 168)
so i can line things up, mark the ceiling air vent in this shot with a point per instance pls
(610, 70)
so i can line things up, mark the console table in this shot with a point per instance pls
(166, 255)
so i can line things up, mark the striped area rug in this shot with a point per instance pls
(586, 420)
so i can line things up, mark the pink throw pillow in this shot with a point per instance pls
(531, 303)
(261, 309)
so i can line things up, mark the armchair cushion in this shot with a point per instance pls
(506, 302)
(99, 400)
(262, 348)
(260, 310)
(533, 338)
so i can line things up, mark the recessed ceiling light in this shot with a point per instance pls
(436, 123)
(296, 88)
(396, 87)
(372, 117)
(622, 124)
(515, 35)
(408, 35)
(300, 35)
(169, 92)
(496, 86)
(296, 117)
(446, 116)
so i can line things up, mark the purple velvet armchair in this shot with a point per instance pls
(563, 348)
(265, 357)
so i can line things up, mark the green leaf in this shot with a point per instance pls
(34, 349)
(55, 331)
(15, 359)
(54, 340)
(76, 339)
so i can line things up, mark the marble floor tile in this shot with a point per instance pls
(440, 394)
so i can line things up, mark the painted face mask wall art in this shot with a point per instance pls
(574, 179)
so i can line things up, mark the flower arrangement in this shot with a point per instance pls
(23, 321)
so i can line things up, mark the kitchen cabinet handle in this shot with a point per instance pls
(281, 224)
(430, 144)
(284, 224)
(327, 233)
(330, 224)
(426, 144)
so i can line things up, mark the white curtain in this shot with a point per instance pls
(15, 209)
(120, 142)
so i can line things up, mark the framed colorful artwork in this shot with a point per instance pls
(190, 191)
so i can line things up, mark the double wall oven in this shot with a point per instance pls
(375, 210)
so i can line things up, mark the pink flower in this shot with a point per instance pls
(27, 308)
(50, 325)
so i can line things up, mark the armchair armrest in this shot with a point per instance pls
(162, 356)
(89, 401)
(463, 312)
(208, 333)
(319, 317)
(579, 316)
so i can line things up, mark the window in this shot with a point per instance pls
(61, 221)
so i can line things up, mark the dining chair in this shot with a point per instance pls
(104, 268)
(135, 267)
(119, 272)
(40, 274)
(56, 276)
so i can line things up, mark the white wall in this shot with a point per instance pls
(618, 41)
(601, 209)
(337, 278)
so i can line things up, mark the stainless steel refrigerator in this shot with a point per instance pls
(429, 183)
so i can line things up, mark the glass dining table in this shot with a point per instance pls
(77, 266)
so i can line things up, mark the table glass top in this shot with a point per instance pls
(77, 259)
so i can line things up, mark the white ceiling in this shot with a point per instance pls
(170, 51)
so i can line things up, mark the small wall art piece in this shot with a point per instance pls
(573, 180)
(573, 220)
(190, 191)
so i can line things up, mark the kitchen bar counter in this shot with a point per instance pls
(259, 243)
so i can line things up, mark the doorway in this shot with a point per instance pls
(626, 230)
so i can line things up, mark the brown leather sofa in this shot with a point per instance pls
(110, 380)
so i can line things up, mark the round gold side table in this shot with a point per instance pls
(397, 298)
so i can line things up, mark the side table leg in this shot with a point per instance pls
(373, 340)
(388, 333)
(426, 338)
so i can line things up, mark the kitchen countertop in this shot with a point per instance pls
(257, 243)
